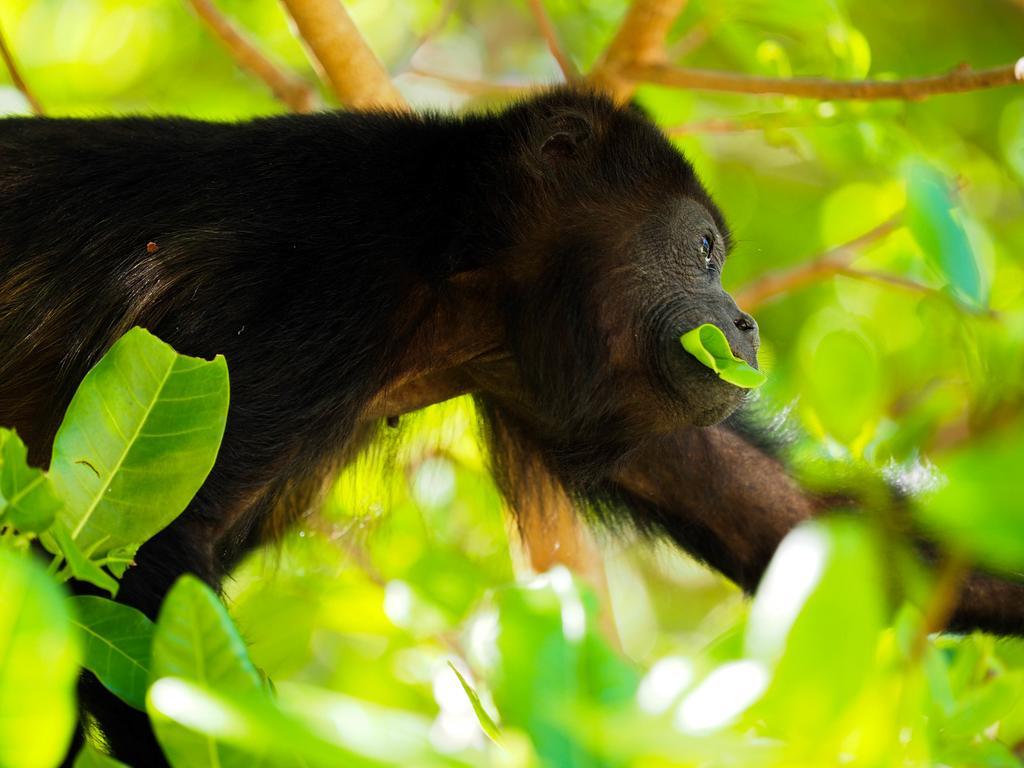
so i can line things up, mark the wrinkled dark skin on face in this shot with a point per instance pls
(352, 267)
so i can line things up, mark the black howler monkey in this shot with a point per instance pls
(355, 266)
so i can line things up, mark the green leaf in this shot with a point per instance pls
(196, 641)
(28, 500)
(980, 510)
(118, 646)
(549, 661)
(81, 567)
(486, 722)
(137, 442)
(708, 344)
(842, 379)
(38, 666)
(985, 705)
(817, 616)
(941, 236)
(332, 731)
(90, 757)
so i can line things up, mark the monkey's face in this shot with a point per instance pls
(673, 284)
(625, 256)
(596, 334)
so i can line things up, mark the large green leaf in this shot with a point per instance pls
(118, 644)
(196, 641)
(38, 666)
(708, 344)
(27, 498)
(326, 729)
(137, 442)
(817, 617)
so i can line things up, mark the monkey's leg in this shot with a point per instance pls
(729, 504)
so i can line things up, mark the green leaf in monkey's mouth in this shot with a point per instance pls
(708, 344)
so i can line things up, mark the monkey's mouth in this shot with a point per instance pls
(716, 403)
(698, 395)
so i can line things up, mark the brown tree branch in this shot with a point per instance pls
(828, 264)
(287, 88)
(19, 82)
(959, 80)
(550, 35)
(340, 53)
(639, 40)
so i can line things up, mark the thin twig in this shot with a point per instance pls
(958, 80)
(823, 266)
(287, 88)
(472, 87)
(19, 82)
(692, 40)
(873, 276)
(447, 9)
(339, 51)
(753, 122)
(550, 35)
(639, 39)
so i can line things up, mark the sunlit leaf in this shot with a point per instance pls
(117, 646)
(708, 344)
(27, 497)
(486, 721)
(38, 666)
(138, 439)
(817, 616)
(197, 642)
(331, 730)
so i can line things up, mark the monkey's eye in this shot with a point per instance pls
(707, 247)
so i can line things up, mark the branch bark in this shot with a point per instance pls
(958, 80)
(19, 82)
(640, 41)
(338, 50)
(287, 88)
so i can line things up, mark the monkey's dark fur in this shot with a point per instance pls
(354, 266)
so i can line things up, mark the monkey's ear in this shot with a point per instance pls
(565, 134)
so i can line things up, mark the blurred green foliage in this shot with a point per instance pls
(910, 362)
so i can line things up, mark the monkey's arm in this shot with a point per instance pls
(730, 504)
